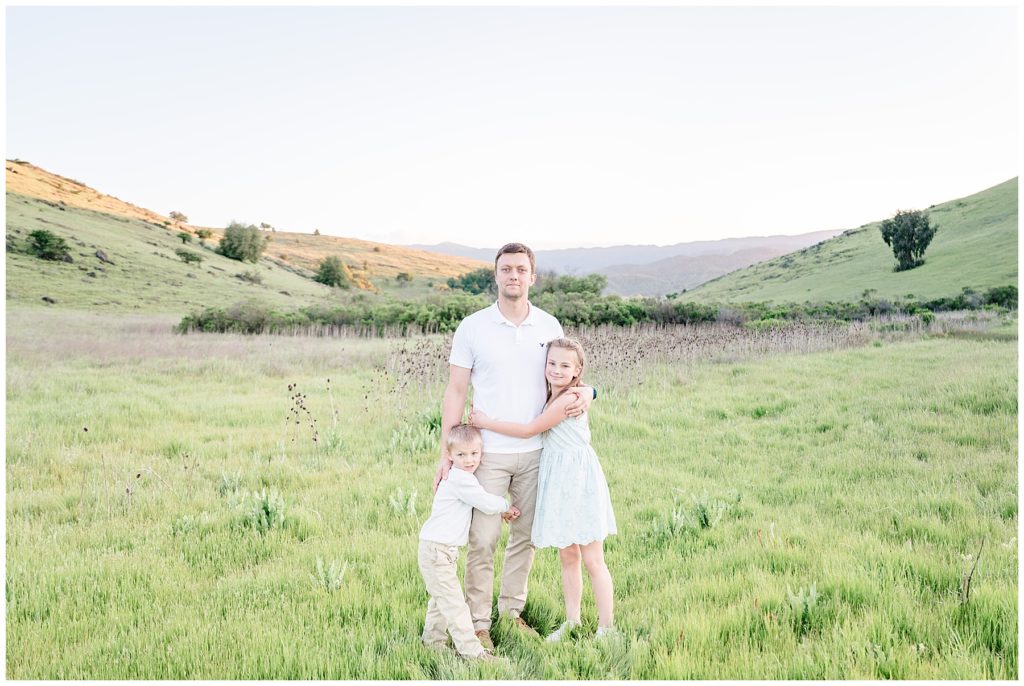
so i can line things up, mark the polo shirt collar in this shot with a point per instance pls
(498, 318)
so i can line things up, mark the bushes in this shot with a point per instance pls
(443, 313)
(241, 242)
(48, 246)
(475, 282)
(333, 273)
(188, 257)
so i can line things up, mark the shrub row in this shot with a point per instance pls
(443, 313)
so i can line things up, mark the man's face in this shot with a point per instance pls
(466, 456)
(514, 275)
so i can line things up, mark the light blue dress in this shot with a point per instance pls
(573, 503)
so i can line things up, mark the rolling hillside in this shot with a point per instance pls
(976, 246)
(145, 274)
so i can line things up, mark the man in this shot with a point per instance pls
(500, 351)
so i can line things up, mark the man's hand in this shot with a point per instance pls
(512, 513)
(442, 471)
(584, 396)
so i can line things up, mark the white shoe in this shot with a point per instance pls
(607, 632)
(561, 632)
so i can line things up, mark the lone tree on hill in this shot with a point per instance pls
(185, 236)
(242, 242)
(333, 273)
(908, 234)
(178, 217)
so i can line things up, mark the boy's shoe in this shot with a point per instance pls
(561, 632)
(521, 624)
(484, 636)
(607, 632)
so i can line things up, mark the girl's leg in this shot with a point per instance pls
(572, 582)
(600, 580)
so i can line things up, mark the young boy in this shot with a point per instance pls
(444, 533)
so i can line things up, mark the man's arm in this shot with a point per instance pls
(452, 405)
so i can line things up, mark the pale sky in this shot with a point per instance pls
(557, 127)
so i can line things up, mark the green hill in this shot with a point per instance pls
(146, 274)
(976, 247)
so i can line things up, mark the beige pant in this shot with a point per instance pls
(447, 609)
(515, 474)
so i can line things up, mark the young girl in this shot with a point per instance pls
(574, 509)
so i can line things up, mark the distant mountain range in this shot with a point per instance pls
(654, 269)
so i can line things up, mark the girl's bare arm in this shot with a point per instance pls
(554, 414)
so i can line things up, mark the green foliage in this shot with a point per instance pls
(48, 246)
(204, 233)
(403, 503)
(230, 482)
(908, 233)
(475, 282)
(443, 313)
(188, 257)
(185, 236)
(549, 282)
(403, 278)
(328, 577)
(332, 272)
(1002, 296)
(265, 511)
(802, 605)
(242, 242)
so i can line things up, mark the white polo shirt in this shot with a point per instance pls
(508, 369)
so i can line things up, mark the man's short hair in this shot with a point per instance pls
(513, 248)
(464, 433)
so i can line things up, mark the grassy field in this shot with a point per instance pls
(166, 515)
(976, 246)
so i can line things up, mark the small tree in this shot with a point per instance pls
(333, 273)
(185, 237)
(908, 233)
(204, 233)
(403, 278)
(316, 232)
(178, 217)
(48, 246)
(242, 242)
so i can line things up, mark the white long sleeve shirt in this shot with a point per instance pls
(453, 508)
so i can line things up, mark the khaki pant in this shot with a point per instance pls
(515, 474)
(447, 609)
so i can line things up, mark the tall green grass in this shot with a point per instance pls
(133, 551)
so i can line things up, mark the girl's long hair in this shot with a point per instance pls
(568, 344)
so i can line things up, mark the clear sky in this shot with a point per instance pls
(553, 126)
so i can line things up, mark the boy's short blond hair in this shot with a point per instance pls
(463, 434)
